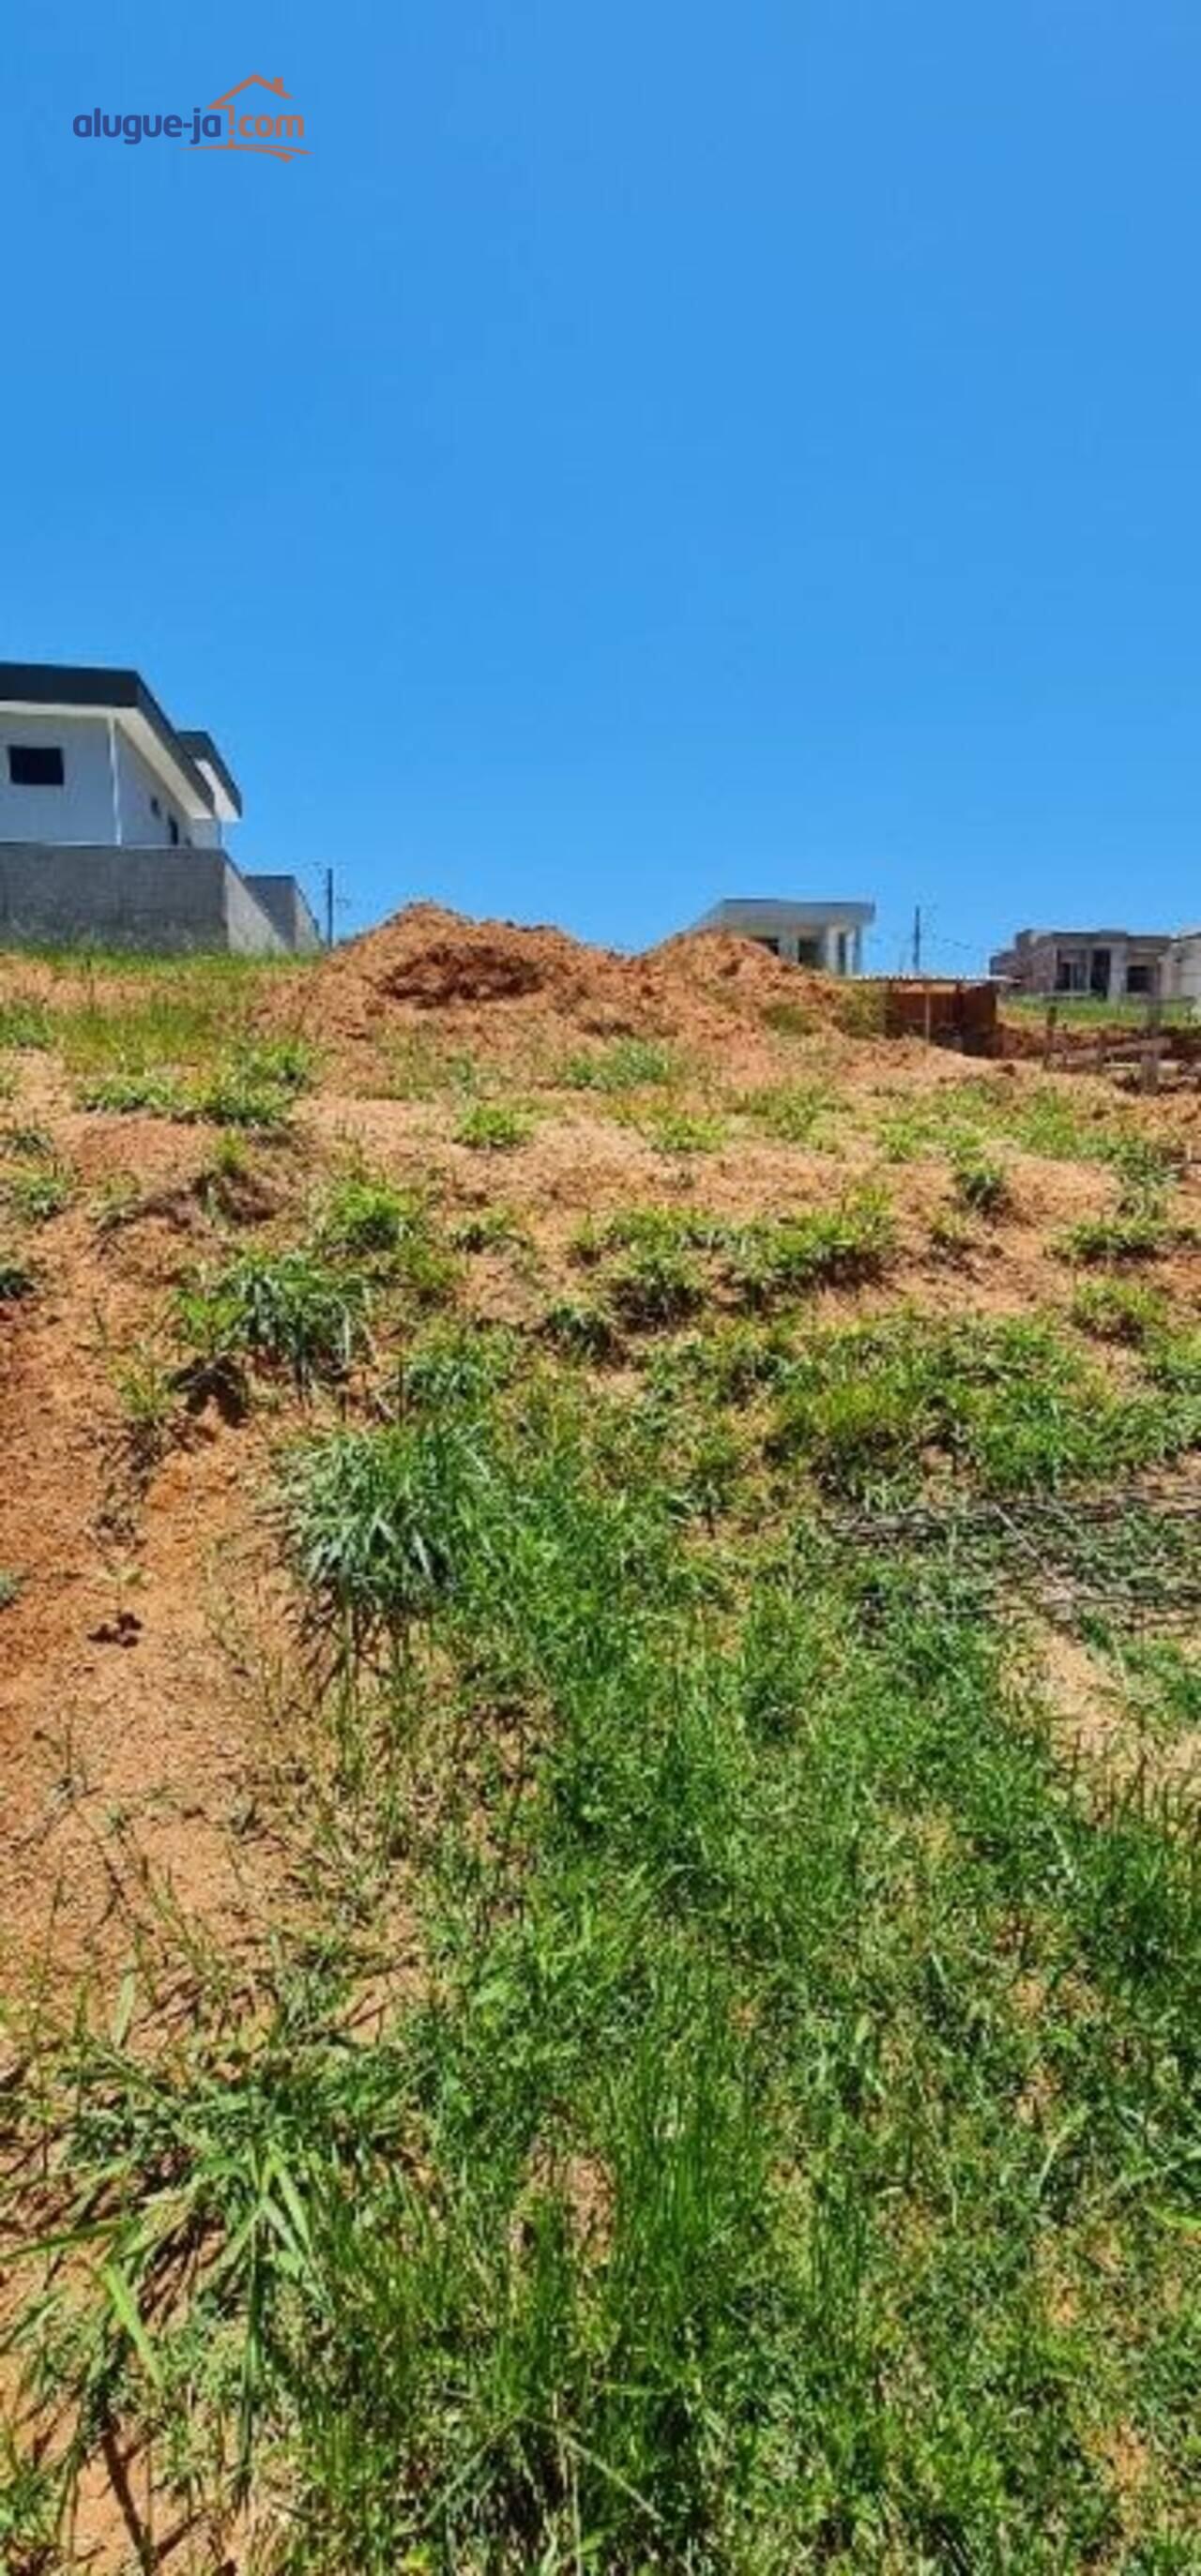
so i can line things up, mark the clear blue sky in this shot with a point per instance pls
(642, 453)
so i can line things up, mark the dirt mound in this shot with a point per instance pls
(499, 983)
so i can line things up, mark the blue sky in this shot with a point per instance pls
(640, 454)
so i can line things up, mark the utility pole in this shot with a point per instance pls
(917, 939)
(329, 907)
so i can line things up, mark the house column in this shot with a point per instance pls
(114, 776)
(1117, 970)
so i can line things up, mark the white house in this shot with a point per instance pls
(1182, 969)
(87, 756)
(111, 822)
(829, 935)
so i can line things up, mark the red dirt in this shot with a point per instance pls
(496, 980)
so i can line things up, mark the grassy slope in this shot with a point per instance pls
(727, 2099)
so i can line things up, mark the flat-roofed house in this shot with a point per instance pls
(828, 935)
(112, 823)
(1106, 964)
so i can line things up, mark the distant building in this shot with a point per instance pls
(829, 935)
(1182, 968)
(1106, 964)
(111, 824)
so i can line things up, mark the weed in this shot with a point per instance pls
(492, 1127)
(27, 1144)
(16, 1278)
(682, 1131)
(362, 1215)
(795, 1113)
(627, 1064)
(583, 1328)
(788, 1019)
(1118, 1310)
(774, 1259)
(952, 1237)
(654, 1284)
(418, 1068)
(117, 1201)
(1133, 1236)
(287, 1310)
(123, 1095)
(980, 1184)
(38, 1193)
(491, 1229)
(1010, 1404)
(147, 1391)
(375, 1521)
(255, 1088)
(11, 1586)
(25, 1023)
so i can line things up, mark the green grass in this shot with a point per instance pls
(493, 1127)
(37, 1191)
(683, 1131)
(289, 1311)
(254, 1086)
(786, 2155)
(981, 1185)
(1126, 1236)
(670, 1259)
(792, 1113)
(626, 1064)
(25, 1023)
(1118, 1310)
(1009, 1406)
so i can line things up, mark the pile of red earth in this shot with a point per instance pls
(488, 978)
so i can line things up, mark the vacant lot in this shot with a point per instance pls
(599, 1718)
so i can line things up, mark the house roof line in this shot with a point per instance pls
(93, 688)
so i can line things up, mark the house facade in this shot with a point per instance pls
(826, 935)
(1182, 969)
(1108, 965)
(112, 822)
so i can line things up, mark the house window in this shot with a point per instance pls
(155, 806)
(172, 829)
(35, 764)
(1140, 979)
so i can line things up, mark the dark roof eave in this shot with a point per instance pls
(70, 684)
(201, 746)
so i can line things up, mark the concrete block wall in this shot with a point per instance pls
(157, 899)
(285, 904)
